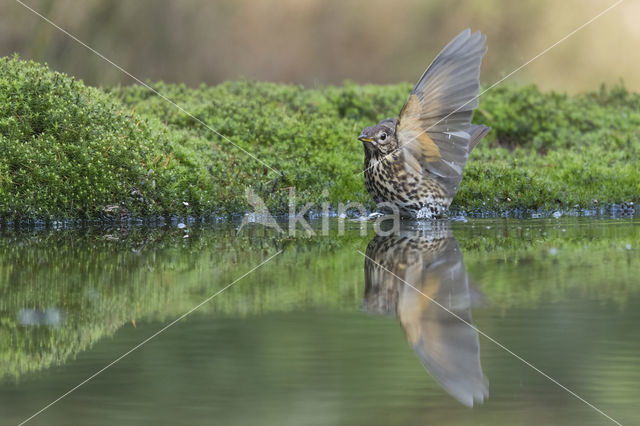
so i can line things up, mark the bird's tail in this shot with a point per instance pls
(477, 132)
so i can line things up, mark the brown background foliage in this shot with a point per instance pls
(318, 42)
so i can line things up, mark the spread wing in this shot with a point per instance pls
(434, 128)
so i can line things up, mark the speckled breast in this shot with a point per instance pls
(417, 196)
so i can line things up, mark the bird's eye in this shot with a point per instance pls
(383, 136)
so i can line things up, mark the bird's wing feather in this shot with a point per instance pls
(433, 127)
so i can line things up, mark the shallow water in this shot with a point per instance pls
(322, 334)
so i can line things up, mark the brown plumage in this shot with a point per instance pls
(415, 162)
(432, 263)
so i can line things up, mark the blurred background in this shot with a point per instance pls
(315, 42)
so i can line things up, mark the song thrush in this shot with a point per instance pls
(415, 161)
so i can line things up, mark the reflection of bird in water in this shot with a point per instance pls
(432, 263)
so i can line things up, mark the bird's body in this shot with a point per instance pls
(414, 163)
(387, 180)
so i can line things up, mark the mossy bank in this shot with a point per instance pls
(68, 151)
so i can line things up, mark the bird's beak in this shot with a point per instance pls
(363, 138)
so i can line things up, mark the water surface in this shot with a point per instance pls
(336, 329)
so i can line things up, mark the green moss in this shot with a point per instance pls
(68, 151)
(71, 151)
(550, 150)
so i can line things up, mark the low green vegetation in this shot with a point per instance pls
(68, 151)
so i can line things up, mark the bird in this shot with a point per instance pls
(415, 276)
(413, 163)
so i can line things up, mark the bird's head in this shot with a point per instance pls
(381, 137)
